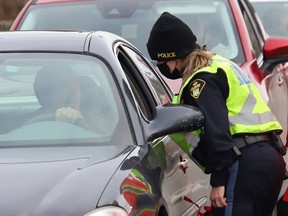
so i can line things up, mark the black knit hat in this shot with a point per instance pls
(170, 39)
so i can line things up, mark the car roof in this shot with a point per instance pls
(48, 40)
(72, 41)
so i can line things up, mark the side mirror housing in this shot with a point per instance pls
(174, 118)
(275, 51)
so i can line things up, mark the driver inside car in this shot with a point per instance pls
(70, 98)
(58, 92)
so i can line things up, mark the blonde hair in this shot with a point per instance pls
(197, 59)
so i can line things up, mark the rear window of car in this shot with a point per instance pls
(211, 21)
(55, 99)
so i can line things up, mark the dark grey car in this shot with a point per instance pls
(85, 120)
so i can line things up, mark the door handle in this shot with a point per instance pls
(183, 164)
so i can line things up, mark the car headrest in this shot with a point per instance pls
(54, 86)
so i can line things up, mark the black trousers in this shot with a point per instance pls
(255, 182)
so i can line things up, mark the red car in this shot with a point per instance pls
(228, 27)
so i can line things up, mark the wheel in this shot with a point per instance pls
(51, 117)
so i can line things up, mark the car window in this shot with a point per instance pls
(251, 27)
(274, 16)
(65, 98)
(212, 21)
(149, 90)
(144, 100)
(157, 88)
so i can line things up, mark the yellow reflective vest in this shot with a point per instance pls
(247, 111)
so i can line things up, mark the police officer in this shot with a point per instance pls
(239, 139)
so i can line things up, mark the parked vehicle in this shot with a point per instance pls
(84, 130)
(230, 28)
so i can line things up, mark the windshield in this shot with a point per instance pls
(59, 99)
(274, 16)
(211, 20)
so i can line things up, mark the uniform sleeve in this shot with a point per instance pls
(209, 93)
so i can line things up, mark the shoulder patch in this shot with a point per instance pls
(196, 88)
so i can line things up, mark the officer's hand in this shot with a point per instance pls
(68, 114)
(217, 197)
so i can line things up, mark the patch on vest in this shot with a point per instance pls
(196, 88)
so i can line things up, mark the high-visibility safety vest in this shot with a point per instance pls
(247, 111)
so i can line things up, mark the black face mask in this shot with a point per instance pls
(165, 70)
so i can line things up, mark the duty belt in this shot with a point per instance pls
(249, 139)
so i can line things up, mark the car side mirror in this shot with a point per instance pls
(275, 51)
(174, 118)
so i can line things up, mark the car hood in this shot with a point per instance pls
(57, 180)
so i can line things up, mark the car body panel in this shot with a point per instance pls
(50, 181)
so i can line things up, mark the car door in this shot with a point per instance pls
(186, 186)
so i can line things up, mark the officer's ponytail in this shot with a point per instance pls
(196, 60)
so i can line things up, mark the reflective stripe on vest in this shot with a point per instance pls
(247, 111)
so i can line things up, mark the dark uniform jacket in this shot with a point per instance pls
(216, 142)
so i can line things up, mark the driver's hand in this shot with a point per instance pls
(68, 114)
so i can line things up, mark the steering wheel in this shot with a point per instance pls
(51, 117)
